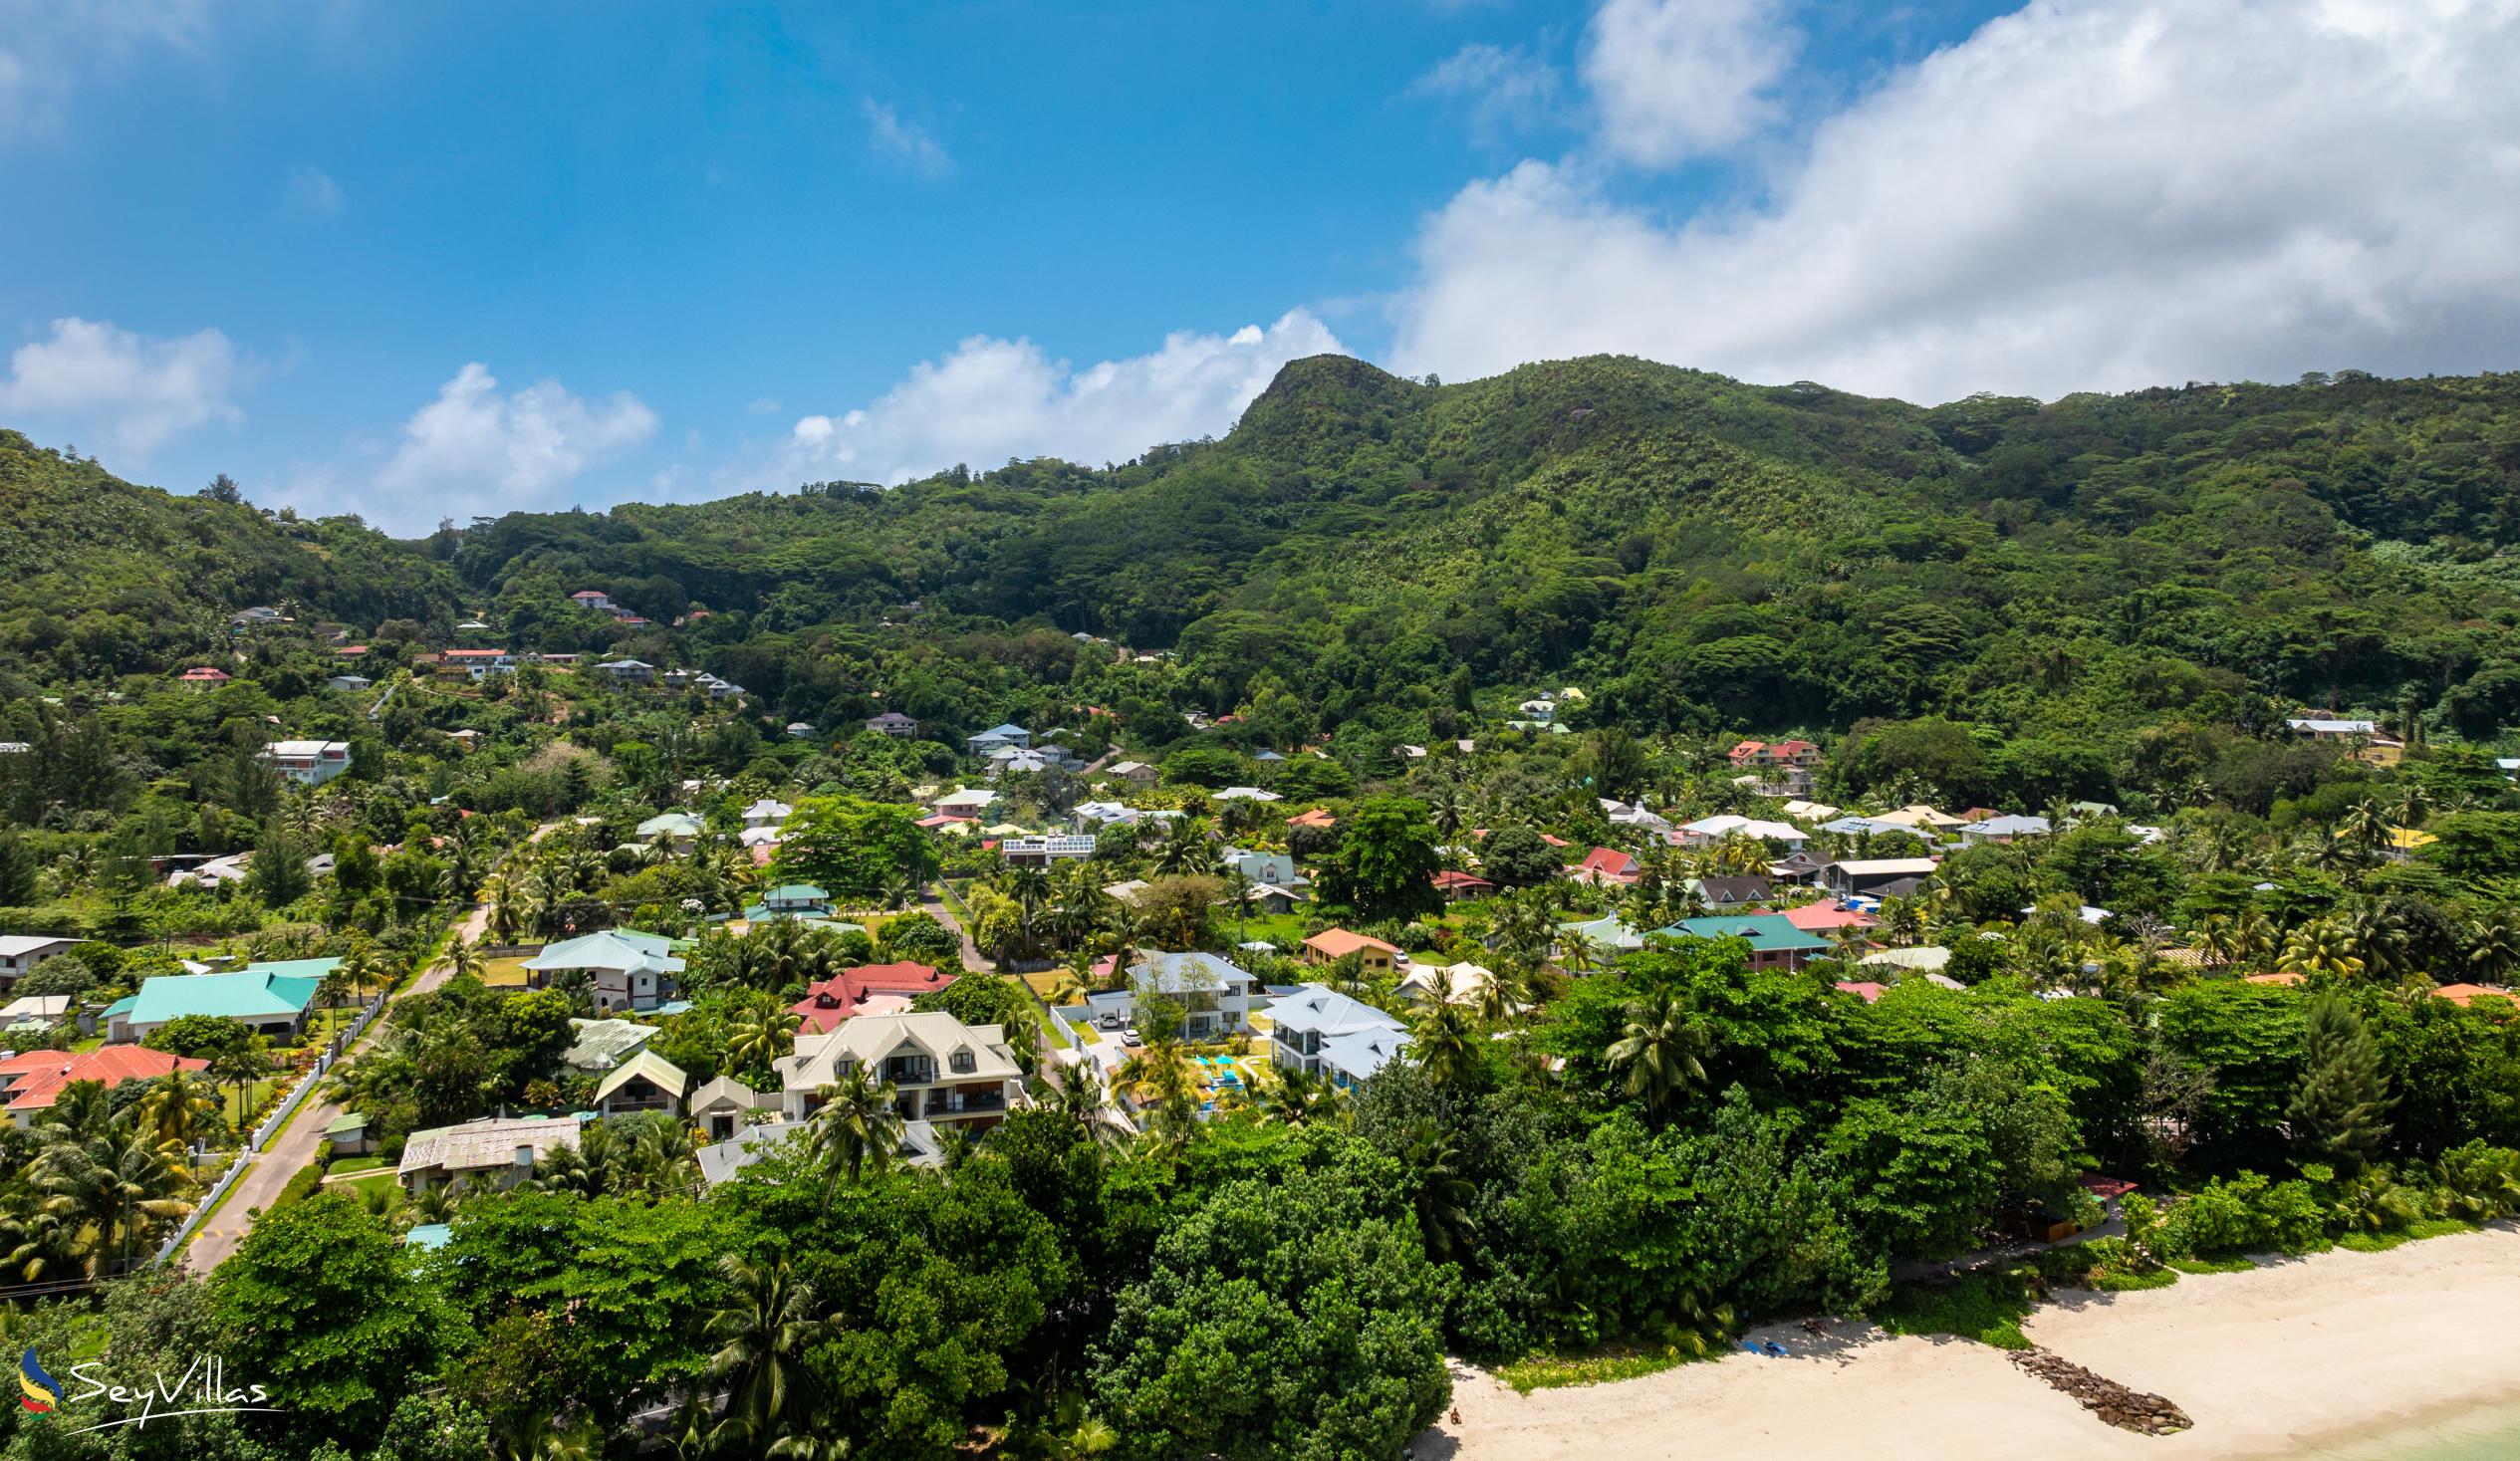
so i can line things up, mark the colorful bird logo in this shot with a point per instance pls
(43, 1393)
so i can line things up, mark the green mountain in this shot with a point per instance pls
(1697, 548)
(1700, 552)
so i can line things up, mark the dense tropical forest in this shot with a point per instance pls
(1473, 645)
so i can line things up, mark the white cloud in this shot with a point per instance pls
(50, 48)
(991, 400)
(1505, 88)
(477, 450)
(312, 190)
(139, 391)
(2088, 194)
(1674, 79)
(906, 143)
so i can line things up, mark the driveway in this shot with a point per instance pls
(295, 1148)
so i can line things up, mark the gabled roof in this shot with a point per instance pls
(645, 1066)
(874, 1038)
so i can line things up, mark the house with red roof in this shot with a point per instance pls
(203, 677)
(1456, 885)
(32, 1082)
(1827, 917)
(1607, 866)
(868, 989)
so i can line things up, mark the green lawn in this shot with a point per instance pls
(1286, 930)
(350, 1164)
(255, 1096)
(507, 973)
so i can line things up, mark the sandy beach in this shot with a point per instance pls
(2303, 1353)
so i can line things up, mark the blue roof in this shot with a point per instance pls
(429, 1236)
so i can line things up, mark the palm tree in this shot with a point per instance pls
(112, 1184)
(858, 1126)
(762, 1334)
(463, 958)
(1291, 1096)
(1441, 1194)
(1082, 1100)
(180, 1109)
(760, 1032)
(2493, 946)
(241, 1068)
(1445, 1043)
(2320, 948)
(1659, 1050)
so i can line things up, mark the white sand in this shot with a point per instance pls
(2266, 1362)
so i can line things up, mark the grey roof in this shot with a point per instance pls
(2013, 826)
(1182, 973)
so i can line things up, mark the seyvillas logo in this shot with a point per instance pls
(201, 1389)
(43, 1393)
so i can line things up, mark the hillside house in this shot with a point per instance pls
(308, 763)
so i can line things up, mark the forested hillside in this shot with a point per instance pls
(1700, 553)
(100, 577)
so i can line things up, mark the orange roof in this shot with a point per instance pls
(37, 1077)
(1318, 816)
(1338, 943)
(2288, 977)
(204, 672)
(2461, 994)
(1862, 989)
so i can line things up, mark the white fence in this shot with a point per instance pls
(201, 1209)
(270, 1127)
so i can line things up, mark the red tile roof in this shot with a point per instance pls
(1862, 989)
(1318, 816)
(37, 1077)
(1608, 865)
(1448, 879)
(868, 989)
(203, 672)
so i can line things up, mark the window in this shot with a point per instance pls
(963, 1061)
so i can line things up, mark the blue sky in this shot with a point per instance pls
(411, 260)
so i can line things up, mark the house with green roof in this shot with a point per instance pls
(269, 999)
(630, 970)
(647, 1081)
(1775, 943)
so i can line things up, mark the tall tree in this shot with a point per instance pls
(2338, 1109)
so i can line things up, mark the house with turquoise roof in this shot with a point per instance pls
(1775, 943)
(628, 970)
(269, 999)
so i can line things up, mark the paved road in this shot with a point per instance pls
(931, 902)
(295, 1146)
